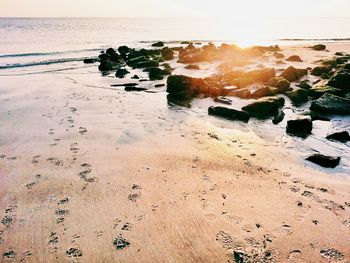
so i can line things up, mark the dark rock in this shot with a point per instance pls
(294, 58)
(120, 242)
(229, 113)
(156, 73)
(293, 74)
(305, 85)
(191, 66)
(266, 106)
(90, 60)
(342, 136)
(123, 49)
(300, 126)
(179, 85)
(146, 64)
(298, 95)
(107, 65)
(318, 91)
(158, 44)
(135, 77)
(281, 83)
(240, 256)
(134, 88)
(159, 85)
(320, 70)
(121, 72)
(134, 60)
(278, 117)
(319, 47)
(110, 51)
(324, 160)
(124, 85)
(104, 56)
(167, 53)
(331, 104)
(223, 100)
(341, 81)
(185, 42)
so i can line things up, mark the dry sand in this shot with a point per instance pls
(82, 166)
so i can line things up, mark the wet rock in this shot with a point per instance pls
(241, 93)
(278, 117)
(266, 106)
(135, 77)
(180, 85)
(341, 81)
(293, 74)
(300, 126)
(107, 65)
(331, 104)
(134, 88)
(243, 79)
(305, 85)
(324, 160)
(227, 113)
(158, 44)
(90, 60)
(123, 49)
(278, 55)
(320, 70)
(318, 91)
(262, 92)
(298, 95)
(223, 100)
(146, 64)
(110, 51)
(167, 53)
(342, 136)
(121, 72)
(120, 242)
(192, 66)
(157, 73)
(319, 47)
(281, 83)
(294, 58)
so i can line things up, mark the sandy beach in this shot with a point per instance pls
(91, 173)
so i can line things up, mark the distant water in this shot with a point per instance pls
(29, 42)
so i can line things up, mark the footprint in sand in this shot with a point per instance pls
(9, 254)
(74, 252)
(295, 256)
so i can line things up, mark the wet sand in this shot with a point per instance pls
(91, 174)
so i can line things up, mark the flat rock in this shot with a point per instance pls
(331, 104)
(264, 106)
(324, 160)
(300, 126)
(228, 113)
(342, 136)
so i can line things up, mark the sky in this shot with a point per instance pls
(174, 8)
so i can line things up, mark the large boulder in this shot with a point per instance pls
(293, 74)
(342, 136)
(324, 160)
(228, 113)
(300, 126)
(341, 81)
(180, 85)
(266, 106)
(298, 95)
(331, 104)
(319, 47)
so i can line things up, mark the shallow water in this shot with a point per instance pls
(57, 46)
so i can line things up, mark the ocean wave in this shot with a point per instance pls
(47, 53)
(42, 63)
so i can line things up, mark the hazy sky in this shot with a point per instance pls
(175, 8)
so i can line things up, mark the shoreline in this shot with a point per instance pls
(102, 175)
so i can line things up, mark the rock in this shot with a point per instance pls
(298, 95)
(124, 85)
(263, 92)
(158, 44)
(294, 58)
(241, 93)
(318, 91)
(146, 64)
(134, 88)
(305, 85)
(223, 100)
(278, 55)
(300, 126)
(320, 70)
(157, 73)
(107, 65)
(120, 242)
(230, 114)
(264, 106)
(185, 42)
(123, 49)
(331, 104)
(240, 256)
(244, 79)
(342, 136)
(180, 85)
(121, 72)
(191, 66)
(341, 81)
(167, 53)
(319, 47)
(281, 83)
(104, 56)
(278, 117)
(324, 160)
(110, 51)
(293, 74)
(90, 60)
(135, 77)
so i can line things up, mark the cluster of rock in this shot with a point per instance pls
(330, 95)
